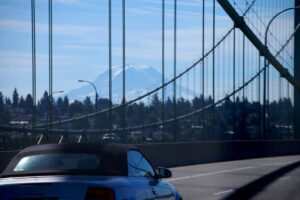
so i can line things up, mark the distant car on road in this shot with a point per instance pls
(136, 137)
(148, 140)
(84, 171)
(110, 137)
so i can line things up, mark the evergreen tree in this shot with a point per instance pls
(22, 102)
(4, 114)
(8, 101)
(43, 104)
(65, 105)
(88, 105)
(59, 105)
(1, 102)
(76, 108)
(28, 102)
(15, 98)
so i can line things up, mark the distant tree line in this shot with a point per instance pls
(230, 120)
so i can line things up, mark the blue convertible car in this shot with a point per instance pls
(84, 171)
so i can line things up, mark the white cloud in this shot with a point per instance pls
(73, 2)
(192, 3)
(15, 25)
(71, 30)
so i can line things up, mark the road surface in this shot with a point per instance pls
(219, 180)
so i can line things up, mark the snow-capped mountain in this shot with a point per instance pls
(139, 80)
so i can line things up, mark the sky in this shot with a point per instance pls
(80, 39)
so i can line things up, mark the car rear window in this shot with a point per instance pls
(58, 161)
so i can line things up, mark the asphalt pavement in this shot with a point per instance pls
(222, 179)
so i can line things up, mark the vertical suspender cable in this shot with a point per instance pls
(244, 100)
(163, 68)
(243, 65)
(259, 96)
(124, 63)
(264, 99)
(50, 68)
(281, 89)
(234, 106)
(224, 66)
(175, 60)
(33, 63)
(187, 86)
(213, 72)
(207, 76)
(279, 101)
(259, 87)
(218, 79)
(229, 64)
(288, 109)
(203, 74)
(268, 93)
(110, 66)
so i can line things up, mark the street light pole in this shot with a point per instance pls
(96, 98)
(266, 66)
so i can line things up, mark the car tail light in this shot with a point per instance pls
(99, 193)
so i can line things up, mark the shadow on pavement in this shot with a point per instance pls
(251, 189)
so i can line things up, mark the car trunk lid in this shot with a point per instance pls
(49, 187)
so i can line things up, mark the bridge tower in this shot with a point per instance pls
(297, 75)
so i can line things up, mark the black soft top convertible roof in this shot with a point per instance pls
(113, 158)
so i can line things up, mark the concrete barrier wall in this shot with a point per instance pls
(180, 154)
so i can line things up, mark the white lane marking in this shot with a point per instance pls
(210, 173)
(223, 192)
(284, 178)
(276, 164)
(224, 171)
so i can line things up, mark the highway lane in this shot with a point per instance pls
(218, 180)
(285, 187)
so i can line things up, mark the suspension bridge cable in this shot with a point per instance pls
(145, 94)
(33, 40)
(243, 80)
(197, 111)
(259, 98)
(229, 64)
(264, 24)
(218, 73)
(233, 84)
(124, 64)
(110, 65)
(50, 103)
(213, 64)
(216, 103)
(148, 93)
(260, 34)
(226, 97)
(175, 68)
(243, 65)
(203, 65)
(224, 65)
(163, 68)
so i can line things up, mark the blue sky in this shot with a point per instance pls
(80, 39)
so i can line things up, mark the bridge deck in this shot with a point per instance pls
(217, 180)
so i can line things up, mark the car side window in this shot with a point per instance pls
(138, 165)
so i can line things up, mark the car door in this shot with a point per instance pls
(139, 166)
